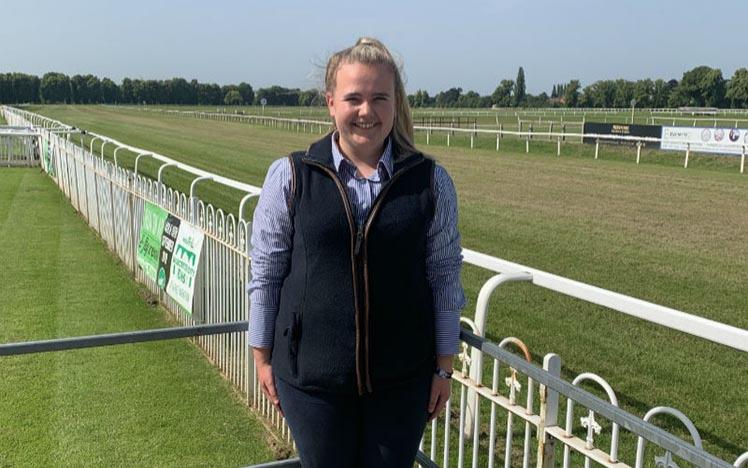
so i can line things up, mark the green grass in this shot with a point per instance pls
(654, 231)
(152, 404)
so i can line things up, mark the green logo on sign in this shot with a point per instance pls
(161, 278)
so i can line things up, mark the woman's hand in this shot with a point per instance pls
(265, 376)
(440, 391)
(440, 388)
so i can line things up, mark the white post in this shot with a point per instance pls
(597, 147)
(558, 146)
(527, 145)
(688, 152)
(428, 135)
(638, 151)
(472, 140)
(447, 139)
(742, 160)
(497, 141)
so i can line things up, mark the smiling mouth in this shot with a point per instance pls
(364, 125)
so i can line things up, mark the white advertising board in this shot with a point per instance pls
(732, 141)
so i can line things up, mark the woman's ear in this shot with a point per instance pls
(330, 103)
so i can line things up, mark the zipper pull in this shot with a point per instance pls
(359, 241)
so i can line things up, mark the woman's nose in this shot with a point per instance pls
(364, 108)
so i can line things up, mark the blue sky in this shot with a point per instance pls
(469, 44)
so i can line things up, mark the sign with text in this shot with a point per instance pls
(732, 141)
(184, 263)
(149, 245)
(621, 129)
(169, 252)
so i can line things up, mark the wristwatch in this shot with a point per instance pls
(441, 373)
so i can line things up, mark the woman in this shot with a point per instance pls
(355, 293)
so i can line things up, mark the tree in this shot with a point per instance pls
(644, 93)
(181, 92)
(502, 95)
(660, 94)
(233, 98)
(109, 91)
(701, 86)
(127, 92)
(278, 96)
(93, 89)
(248, 94)
(737, 89)
(469, 99)
(55, 88)
(208, 94)
(519, 88)
(310, 97)
(448, 98)
(19, 87)
(421, 99)
(571, 93)
(541, 100)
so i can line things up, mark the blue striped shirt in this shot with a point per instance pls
(272, 234)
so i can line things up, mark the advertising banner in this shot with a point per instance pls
(49, 166)
(169, 252)
(653, 131)
(149, 245)
(184, 263)
(705, 139)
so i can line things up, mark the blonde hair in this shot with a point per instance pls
(370, 51)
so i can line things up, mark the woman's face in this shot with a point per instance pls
(363, 107)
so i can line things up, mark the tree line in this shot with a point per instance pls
(58, 88)
(700, 87)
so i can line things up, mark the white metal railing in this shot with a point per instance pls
(19, 146)
(111, 200)
(528, 134)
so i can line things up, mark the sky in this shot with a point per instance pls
(442, 44)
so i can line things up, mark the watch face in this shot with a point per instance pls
(734, 134)
(706, 134)
(719, 134)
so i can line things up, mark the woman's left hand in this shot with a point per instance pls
(440, 391)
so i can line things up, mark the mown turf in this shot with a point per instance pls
(654, 231)
(153, 404)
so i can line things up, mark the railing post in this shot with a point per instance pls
(638, 151)
(548, 414)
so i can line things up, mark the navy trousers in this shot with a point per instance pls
(382, 429)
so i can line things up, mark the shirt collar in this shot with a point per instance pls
(385, 166)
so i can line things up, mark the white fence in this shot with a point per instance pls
(526, 131)
(521, 402)
(19, 146)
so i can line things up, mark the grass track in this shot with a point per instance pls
(151, 404)
(657, 232)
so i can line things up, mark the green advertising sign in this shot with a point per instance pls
(169, 252)
(48, 163)
(149, 246)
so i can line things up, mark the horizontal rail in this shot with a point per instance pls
(614, 414)
(62, 344)
(692, 324)
(464, 130)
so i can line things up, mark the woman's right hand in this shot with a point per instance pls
(265, 376)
